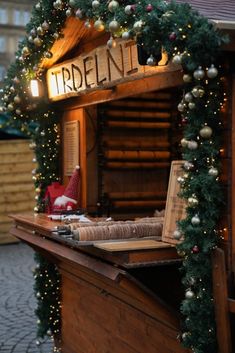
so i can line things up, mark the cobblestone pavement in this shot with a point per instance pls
(17, 303)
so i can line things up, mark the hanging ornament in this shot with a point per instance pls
(17, 99)
(36, 210)
(87, 24)
(151, 61)
(137, 27)
(187, 78)
(37, 41)
(40, 31)
(42, 133)
(18, 112)
(12, 89)
(206, 132)
(195, 220)
(32, 145)
(213, 172)
(199, 73)
(95, 4)
(114, 26)
(184, 142)
(79, 14)
(34, 160)
(191, 281)
(195, 249)
(10, 107)
(113, 6)
(189, 294)
(184, 121)
(48, 54)
(111, 43)
(180, 180)
(149, 8)
(184, 335)
(68, 12)
(128, 10)
(188, 165)
(38, 342)
(45, 26)
(195, 92)
(191, 105)
(99, 25)
(177, 234)
(201, 92)
(192, 201)
(38, 190)
(38, 6)
(56, 35)
(172, 36)
(30, 39)
(126, 35)
(25, 51)
(177, 59)
(188, 97)
(181, 107)
(212, 72)
(192, 145)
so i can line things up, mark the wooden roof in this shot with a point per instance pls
(218, 10)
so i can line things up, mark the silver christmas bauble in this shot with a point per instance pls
(99, 25)
(30, 39)
(192, 201)
(111, 43)
(45, 25)
(18, 111)
(195, 92)
(191, 105)
(187, 78)
(12, 89)
(40, 31)
(56, 35)
(38, 6)
(151, 61)
(199, 73)
(128, 10)
(184, 142)
(114, 26)
(177, 59)
(213, 172)
(189, 294)
(17, 99)
(37, 41)
(137, 27)
(192, 145)
(195, 220)
(188, 165)
(212, 72)
(113, 5)
(206, 132)
(188, 97)
(180, 180)
(181, 107)
(126, 35)
(10, 107)
(95, 4)
(177, 235)
(68, 12)
(79, 14)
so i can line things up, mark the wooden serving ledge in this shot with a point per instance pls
(125, 253)
(105, 308)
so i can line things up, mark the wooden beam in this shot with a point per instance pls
(221, 303)
(231, 305)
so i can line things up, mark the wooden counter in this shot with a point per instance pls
(104, 307)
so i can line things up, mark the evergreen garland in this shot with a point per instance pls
(190, 40)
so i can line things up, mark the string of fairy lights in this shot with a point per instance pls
(191, 41)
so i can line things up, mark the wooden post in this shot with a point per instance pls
(221, 301)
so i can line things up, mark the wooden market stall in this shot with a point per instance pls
(120, 124)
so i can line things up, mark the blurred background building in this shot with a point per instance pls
(16, 159)
(14, 15)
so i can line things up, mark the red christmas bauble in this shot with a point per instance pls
(172, 36)
(133, 8)
(195, 249)
(184, 121)
(149, 8)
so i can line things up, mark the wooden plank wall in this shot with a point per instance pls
(16, 185)
(137, 141)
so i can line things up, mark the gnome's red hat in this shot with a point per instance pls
(72, 189)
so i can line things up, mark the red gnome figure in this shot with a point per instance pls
(68, 201)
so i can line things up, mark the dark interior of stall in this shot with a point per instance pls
(136, 139)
